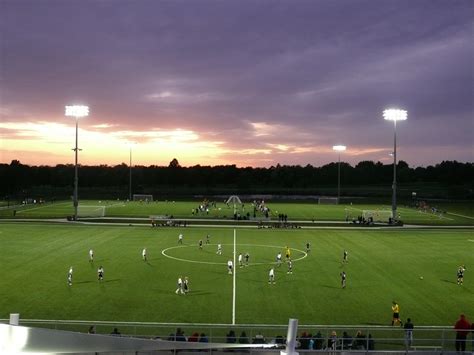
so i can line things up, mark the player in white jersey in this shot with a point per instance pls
(180, 238)
(100, 273)
(290, 267)
(230, 267)
(179, 290)
(241, 263)
(219, 249)
(144, 254)
(271, 276)
(91, 255)
(69, 276)
(278, 259)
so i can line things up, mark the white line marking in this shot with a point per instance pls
(460, 215)
(470, 240)
(234, 278)
(47, 205)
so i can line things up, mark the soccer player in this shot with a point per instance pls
(91, 255)
(186, 285)
(345, 256)
(343, 279)
(180, 238)
(100, 273)
(179, 290)
(240, 260)
(219, 249)
(230, 267)
(200, 244)
(271, 276)
(247, 256)
(69, 276)
(460, 275)
(396, 313)
(288, 253)
(308, 247)
(208, 239)
(290, 267)
(278, 259)
(144, 254)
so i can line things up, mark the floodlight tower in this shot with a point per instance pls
(339, 149)
(394, 115)
(77, 112)
(130, 145)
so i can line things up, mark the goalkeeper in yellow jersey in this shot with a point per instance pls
(288, 253)
(396, 314)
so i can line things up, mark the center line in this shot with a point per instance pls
(233, 279)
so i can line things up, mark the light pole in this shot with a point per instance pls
(339, 149)
(394, 115)
(76, 112)
(130, 180)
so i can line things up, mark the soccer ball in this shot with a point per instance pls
(421, 277)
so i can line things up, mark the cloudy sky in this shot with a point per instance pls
(251, 83)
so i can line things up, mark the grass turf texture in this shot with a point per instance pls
(458, 214)
(383, 266)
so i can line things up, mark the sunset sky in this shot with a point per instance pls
(251, 83)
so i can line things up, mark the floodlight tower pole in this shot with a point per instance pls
(130, 186)
(394, 115)
(76, 112)
(339, 149)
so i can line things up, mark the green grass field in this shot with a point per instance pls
(457, 213)
(384, 265)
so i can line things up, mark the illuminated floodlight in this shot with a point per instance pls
(77, 111)
(339, 148)
(394, 115)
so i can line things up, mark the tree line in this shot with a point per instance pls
(18, 179)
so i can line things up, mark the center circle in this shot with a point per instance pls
(164, 253)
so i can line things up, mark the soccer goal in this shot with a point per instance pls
(90, 211)
(377, 215)
(141, 197)
(328, 200)
(234, 201)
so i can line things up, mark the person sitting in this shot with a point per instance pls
(258, 339)
(359, 342)
(243, 339)
(346, 341)
(194, 337)
(115, 332)
(231, 338)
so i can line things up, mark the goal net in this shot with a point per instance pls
(139, 197)
(328, 200)
(233, 200)
(377, 215)
(90, 211)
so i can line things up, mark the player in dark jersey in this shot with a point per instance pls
(247, 257)
(100, 273)
(200, 244)
(345, 256)
(460, 274)
(308, 247)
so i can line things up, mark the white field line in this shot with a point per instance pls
(47, 205)
(234, 279)
(460, 215)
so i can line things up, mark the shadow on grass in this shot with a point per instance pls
(449, 281)
(113, 280)
(328, 286)
(83, 282)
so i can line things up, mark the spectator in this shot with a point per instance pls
(472, 336)
(371, 343)
(91, 329)
(231, 338)
(360, 341)
(346, 341)
(179, 336)
(243, 339)
(258, 339)
(115, 332)
(332, 341)
(194, 337)
(203, 338)
(462, 328)
(318, 341)
(408, 333)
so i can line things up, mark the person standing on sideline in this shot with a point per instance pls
(343, 279)
(100, 273)
(91, 255)
(179, 289)
(396, 313)
(230, 267)
(462, 328)
(144, 254)
(408, 333)
(69, 277)
(180, 238)
(271, 276)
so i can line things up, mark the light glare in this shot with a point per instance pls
(77, 111)
(339, 148)
(395, 115)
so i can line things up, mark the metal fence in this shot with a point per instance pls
(311, 338)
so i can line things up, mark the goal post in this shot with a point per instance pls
(328, 200)
(377, 215)
(142, 197)
(90, 211)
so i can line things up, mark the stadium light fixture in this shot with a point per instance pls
(394, 115)
(76, 111)
(339, 149)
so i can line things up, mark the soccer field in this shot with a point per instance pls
(384, 265)
(457, 213)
